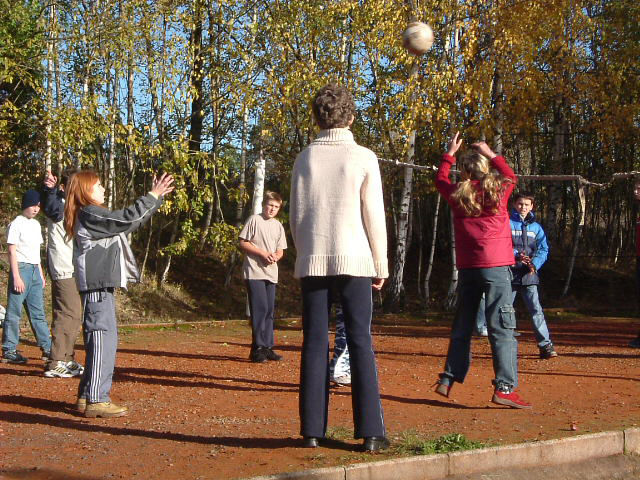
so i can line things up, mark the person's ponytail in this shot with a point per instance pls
(473, 201)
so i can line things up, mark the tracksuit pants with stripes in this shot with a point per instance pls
(101, 341)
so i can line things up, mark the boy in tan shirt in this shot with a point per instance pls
(263, 241)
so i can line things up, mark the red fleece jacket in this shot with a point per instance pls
(484, 241)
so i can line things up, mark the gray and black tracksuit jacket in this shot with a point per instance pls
(102, 256)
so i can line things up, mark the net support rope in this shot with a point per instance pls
(560, 178)
(581, 183)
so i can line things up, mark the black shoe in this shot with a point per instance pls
(311, 442)
(258, 355)
(547, 351)
(271, 355)
(375, 444)
(13, 356)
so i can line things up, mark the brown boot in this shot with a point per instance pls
(81, 404)
(105, 410)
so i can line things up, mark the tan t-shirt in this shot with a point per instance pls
(265, 234)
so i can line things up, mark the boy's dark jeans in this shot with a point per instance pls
(262, 298)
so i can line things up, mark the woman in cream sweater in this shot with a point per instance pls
(338, 226)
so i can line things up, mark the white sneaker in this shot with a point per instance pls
(59, 371)
(75, 368)
(342, 380)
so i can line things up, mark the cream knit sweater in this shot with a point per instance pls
(336, 210)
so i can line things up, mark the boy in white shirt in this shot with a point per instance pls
(26, 281)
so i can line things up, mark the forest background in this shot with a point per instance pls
(218, 93)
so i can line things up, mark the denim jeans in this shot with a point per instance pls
(530, 298)
(481, 321)
(340, 364)
(495, 284)
(33, 300)
(529, 294)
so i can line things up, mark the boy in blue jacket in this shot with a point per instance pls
(530, 249)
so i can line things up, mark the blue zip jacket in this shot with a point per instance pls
(528, 237)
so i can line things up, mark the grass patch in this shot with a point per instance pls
(412, 443)
(339, 433)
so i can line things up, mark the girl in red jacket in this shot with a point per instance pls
(483, 255)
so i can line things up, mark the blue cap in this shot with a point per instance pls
(30, 198)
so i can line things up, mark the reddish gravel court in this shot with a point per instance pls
(200, 410)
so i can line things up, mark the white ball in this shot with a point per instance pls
(417, 38)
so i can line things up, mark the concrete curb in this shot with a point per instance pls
(632, 440)
(436, 467)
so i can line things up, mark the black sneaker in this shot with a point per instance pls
(258, 355)
(46, 355)
(13, 356)
(547, 351)
(271, 355)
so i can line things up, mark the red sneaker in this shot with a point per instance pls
(510, 399)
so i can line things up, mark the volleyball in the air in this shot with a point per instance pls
(417, 38)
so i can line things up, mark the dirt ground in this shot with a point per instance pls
(201, 410)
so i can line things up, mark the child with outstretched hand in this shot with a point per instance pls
(103, 261)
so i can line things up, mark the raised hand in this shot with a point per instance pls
(162, 185)
(50, 180)
(483, 149)
(454, 144)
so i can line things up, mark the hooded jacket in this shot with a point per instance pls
(59, 248)
(102, 256)
(528, 237)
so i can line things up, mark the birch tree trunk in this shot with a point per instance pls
(560, 129)
(245, 129)
(258, 183)
(395, 290)
(452, 294)
(427, 277)
(112, 143)
(131, 164)
(197, 102)
(167, 266)
(498, 110)
(50, 82)
(576, 237)
(420, 240)
(243, 167)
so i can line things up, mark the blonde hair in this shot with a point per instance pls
(78, 195)
(273, 196)
(472, 200)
